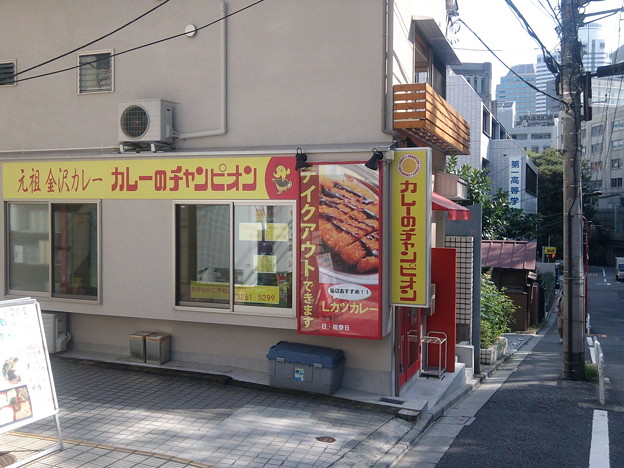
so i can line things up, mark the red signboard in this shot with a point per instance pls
(340, 251)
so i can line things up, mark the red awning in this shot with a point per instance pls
(455, 211)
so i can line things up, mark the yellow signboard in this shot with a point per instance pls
(550, 250)
(411, 227)
(260, 177)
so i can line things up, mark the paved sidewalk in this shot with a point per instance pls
(114, 417)
(119, 418)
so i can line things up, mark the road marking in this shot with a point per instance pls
(599, 451)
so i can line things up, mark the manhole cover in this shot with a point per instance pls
(329, 440)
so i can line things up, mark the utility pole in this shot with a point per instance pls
(573, 271)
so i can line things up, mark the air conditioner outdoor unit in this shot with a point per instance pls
(55, 329)
(146, 121)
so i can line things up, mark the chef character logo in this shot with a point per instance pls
(280, 179)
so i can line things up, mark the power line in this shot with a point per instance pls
(552, 64)
(530, 85)
(495, 50)
(552, 13)
(95, 40)
(149, 44)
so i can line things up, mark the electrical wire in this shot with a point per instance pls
(163, 3)
(554, 13)
(530, 85)
(545, 52)
(143, 46)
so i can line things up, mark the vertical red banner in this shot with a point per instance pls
(340, 251)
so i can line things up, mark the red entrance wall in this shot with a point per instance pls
(444, 276)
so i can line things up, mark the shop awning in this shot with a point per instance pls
(455, 211)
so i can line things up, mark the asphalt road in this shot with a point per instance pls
(533, 417)
(606, 308)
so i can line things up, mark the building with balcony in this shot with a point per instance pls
(225, 173)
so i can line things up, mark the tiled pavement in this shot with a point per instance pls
(119, 418)
(111, 417)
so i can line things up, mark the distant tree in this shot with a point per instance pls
(550, 196)
(500, 220)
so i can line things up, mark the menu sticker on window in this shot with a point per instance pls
(276, 232)
(265, 263)
(250, 231)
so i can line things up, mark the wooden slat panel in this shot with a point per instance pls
(411, 87)
(437, 124)
(419, 110)
(437, 110)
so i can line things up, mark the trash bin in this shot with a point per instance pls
(137, 346)
(157, 348)
(306, 367)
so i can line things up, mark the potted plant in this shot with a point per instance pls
(496, 313)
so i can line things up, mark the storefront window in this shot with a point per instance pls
(203, 254)
(75, 271)
(263, 255)
(64, 254)
(232, 256)
(28, 247)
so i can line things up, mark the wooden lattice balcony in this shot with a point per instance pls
(423, 114)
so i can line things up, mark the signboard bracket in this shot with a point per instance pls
(54, 448)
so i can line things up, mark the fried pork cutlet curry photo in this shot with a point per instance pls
(349, 222)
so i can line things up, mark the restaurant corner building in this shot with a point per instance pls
(275, 176)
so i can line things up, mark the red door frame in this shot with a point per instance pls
(408, 361)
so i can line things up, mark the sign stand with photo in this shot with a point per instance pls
(27, 391)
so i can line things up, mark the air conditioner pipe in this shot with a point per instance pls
(222, 130)
(386, 78)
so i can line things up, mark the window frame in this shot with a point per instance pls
(50, 294)
(486, 121)
(232, 308)
(111, 69)
(14, 82)
(597, 130)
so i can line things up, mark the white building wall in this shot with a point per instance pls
(284, 71)
(298, 74)
(467, 102)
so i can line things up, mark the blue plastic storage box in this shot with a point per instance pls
(306, 367)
